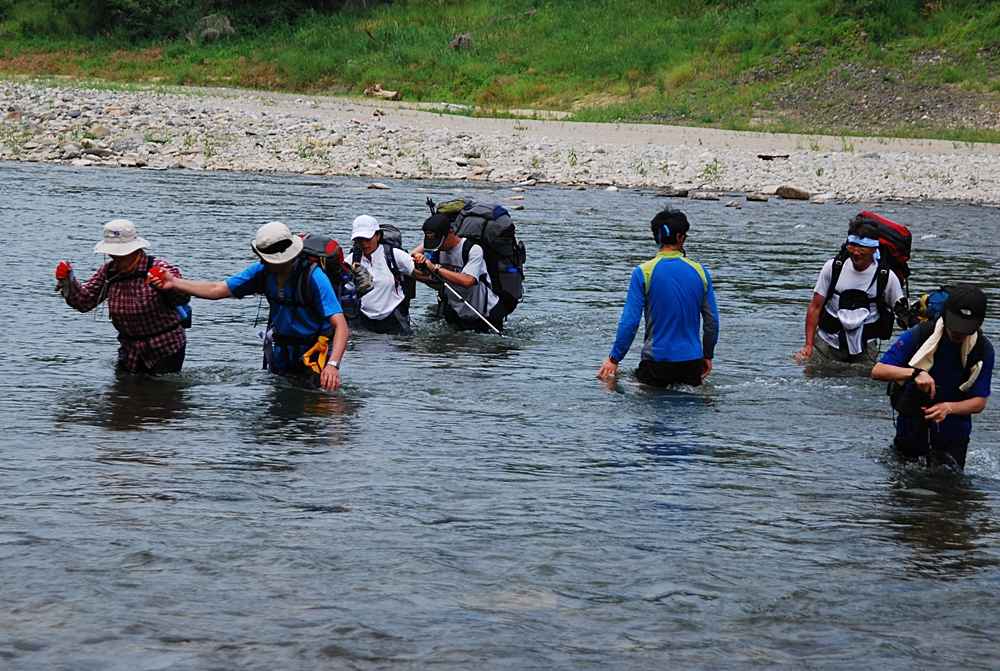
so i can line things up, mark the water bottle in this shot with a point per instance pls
(349, 301)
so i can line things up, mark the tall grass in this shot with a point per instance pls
(629, 58)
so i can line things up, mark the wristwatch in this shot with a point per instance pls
(916, 372)
(335, 364)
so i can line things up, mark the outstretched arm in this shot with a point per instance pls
(812, 322)
(202, 289)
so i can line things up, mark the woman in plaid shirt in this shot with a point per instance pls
(149, 325)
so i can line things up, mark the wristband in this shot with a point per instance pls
(916, 372)
(613, 360)
(335, 364)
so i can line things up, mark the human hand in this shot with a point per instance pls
(329, 379)
(937, 412)
(804, 354)
(63, 270)
(925, 383)
(608, 369)
(160, 278)
(706, 368)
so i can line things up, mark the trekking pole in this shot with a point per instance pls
(457, 295)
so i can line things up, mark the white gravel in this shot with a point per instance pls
(64, 122)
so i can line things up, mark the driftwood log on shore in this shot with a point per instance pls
(377, 91)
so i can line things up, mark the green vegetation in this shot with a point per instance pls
(841, 66)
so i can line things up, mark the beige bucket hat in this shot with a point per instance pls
(120, 239)
(275, 243)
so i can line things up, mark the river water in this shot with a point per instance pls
(468, 501)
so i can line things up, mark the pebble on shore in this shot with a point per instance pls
(44, 122)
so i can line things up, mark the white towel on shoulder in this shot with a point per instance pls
(924, 357)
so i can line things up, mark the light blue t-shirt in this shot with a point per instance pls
(288, 319)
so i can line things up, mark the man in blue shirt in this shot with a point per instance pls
(675, 296)
(945, 368)
(307, 331)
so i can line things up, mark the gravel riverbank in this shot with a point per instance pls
(62, 122)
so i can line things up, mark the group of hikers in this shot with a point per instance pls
(939, 370)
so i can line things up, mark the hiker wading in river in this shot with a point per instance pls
(150, 328)
(306, 329)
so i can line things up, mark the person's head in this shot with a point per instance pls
(275, 244)
(366, 234)
(438, 232)
(670, 227)
(862, 241)
(120, 242)
(964, 310)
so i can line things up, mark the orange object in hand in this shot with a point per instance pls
(63, 270)
(156, 273)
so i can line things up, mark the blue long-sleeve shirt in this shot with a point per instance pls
(675, 296)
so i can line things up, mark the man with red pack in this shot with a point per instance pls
(150, 327)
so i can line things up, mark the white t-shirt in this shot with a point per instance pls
(852, 279)
(385, 297)
(480, 295)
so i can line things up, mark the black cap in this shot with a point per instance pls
(964, 309)
(435, 231)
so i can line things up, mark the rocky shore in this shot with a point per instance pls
(64, 122)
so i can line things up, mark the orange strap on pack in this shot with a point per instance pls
(320, 351)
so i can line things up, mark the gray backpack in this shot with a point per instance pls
(491, 227)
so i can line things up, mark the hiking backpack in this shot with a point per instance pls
(895, 244)
(927, 308)
(490, 227)
(328, 255)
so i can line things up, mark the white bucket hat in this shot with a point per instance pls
(365, 226)
(275, 243)
(120, 239)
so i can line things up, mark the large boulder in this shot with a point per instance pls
(792, 192)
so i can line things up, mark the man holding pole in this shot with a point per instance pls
(456, 268)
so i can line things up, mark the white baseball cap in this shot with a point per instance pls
(120, 239)
(275, 243)
(365, 226)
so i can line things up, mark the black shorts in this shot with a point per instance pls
(397, 323)
(495, 317)
(666, 373)
(952, 454)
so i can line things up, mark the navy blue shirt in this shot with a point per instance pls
(948, 373)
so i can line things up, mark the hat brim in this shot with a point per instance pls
(283, 256)
(961, 325)
(366, 235)
(431, 244)
(120, 248)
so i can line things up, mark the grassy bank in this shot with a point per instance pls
(926, 69)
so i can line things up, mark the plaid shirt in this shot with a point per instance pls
(149, 327)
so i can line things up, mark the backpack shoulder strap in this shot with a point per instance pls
(923, 331)
(881, 281)
(300, 285)
(838, 267)
(390, 260)
(466, 249)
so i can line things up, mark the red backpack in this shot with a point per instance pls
(895, 241)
